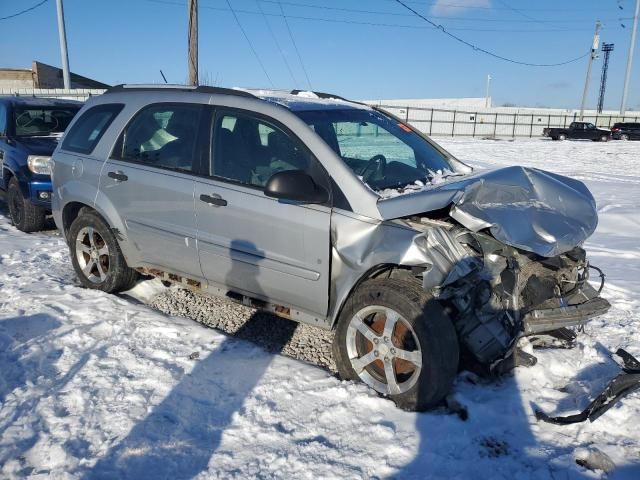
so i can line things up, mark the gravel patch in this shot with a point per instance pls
(274, 334)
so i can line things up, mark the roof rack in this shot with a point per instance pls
(179, 88)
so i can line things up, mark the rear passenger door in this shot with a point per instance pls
(149, 181)
(268, 249)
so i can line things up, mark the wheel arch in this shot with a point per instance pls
(7, 174)
(105, 209)
(391, 270)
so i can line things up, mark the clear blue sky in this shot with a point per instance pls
(400, 57)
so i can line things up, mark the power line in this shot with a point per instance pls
(295, 45)
(378, 24)
(448, 17)
(518, 11)
(255, 53)
(275, 40)
(26, 10)
(482, 50)
(481, 7)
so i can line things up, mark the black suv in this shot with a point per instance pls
(626, 131)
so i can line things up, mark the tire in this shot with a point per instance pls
(423, 333)
(604, 138)
(24, 215)
(562, 136)
(624, 137)
(96, 255)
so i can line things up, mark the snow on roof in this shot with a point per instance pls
(298, 100)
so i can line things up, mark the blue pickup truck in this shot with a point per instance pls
(30, 129)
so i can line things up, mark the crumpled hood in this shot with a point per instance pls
(527, 208)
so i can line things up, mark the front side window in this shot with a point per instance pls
(30, 121)
(380, 150)
(163, 136)
(89, 128)
(250, 150)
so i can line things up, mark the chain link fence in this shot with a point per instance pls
(438, 122)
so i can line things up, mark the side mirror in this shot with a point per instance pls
(295, 185)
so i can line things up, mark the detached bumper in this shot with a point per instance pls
(538, 321)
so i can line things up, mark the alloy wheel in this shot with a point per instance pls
(92, 253)
(384, 350)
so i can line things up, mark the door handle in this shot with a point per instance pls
(118, 176)
(215, 200)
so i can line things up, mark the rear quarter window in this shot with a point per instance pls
(87, 131)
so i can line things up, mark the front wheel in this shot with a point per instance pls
(604, 138)
(24, 215)
(394, 337)
(96, 255)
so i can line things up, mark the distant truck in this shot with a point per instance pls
(578, 130)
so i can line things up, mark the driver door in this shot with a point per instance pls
(270, 249)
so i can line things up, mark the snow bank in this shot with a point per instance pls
(101, 386)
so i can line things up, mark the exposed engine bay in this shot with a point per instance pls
(497, 293)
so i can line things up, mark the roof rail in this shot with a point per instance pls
(326, 96)
(179, 88)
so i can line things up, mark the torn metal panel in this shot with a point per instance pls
(527, 208)
(360, 244)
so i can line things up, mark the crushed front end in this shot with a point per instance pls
(496, 293)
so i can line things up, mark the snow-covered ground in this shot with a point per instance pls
(102, 386)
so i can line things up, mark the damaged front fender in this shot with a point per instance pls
(360, 245)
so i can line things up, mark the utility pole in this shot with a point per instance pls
(607, 48)
(627, 77)
(193, 42)
(592, 55)
(487, 102)
(66, 76)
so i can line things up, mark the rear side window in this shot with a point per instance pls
(162, 135)
(88, 130)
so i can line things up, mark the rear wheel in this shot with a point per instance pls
(96, 255)
(562, 136)
(24, 215)
(624, 137)
(394, 337)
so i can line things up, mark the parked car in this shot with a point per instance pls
(327, 212)
(29, 132)
(626, 131)
(578, 130)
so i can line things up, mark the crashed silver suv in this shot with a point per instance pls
(327, 212)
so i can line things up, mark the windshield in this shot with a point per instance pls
(379, 149)
(38, 121)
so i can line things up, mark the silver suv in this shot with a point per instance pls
(327, 212)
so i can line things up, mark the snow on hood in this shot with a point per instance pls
(435, 178)
(527, 208)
